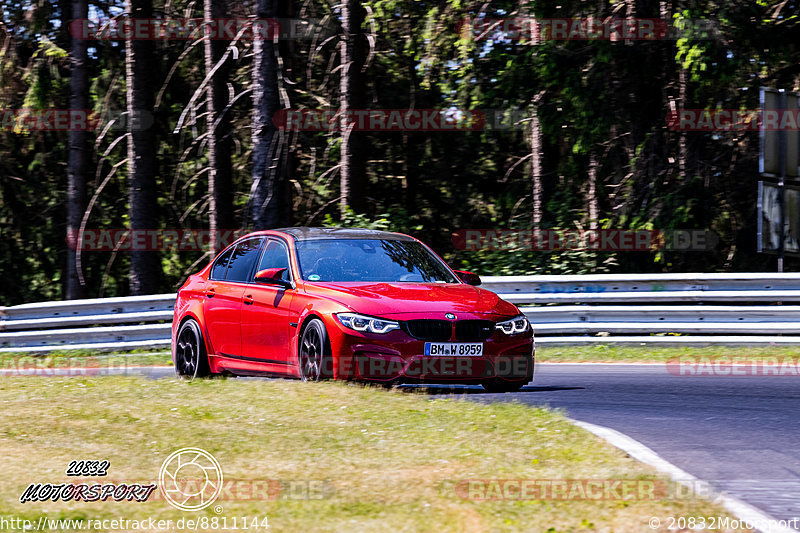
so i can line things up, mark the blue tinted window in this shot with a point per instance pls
(243, 259)
(218, 270)
(370, 260)
(275, 256)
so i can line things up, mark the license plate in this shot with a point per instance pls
(467, 349)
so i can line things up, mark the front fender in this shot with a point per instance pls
(324, 309)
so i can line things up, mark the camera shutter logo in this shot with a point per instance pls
(190, 479)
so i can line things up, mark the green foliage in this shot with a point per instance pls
(598, 101)
(351, 219)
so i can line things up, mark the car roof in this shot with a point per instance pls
(311, 234)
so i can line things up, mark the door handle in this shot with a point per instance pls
(210, 293)
(248, 300)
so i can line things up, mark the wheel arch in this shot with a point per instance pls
(191, 314)
(338, 372)
(203, 362)
(308, 318)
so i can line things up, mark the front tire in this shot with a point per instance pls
(191, 358)
(314, 352)
(515, 379)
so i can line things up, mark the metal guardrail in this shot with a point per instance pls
(646, 288)
(630, 308)
(128, 323)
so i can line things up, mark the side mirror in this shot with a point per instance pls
(272, 276)
(468, 277)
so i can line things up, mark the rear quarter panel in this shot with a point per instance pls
(189, 304)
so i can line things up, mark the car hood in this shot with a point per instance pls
(394, 300)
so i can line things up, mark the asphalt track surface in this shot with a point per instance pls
(739, 433)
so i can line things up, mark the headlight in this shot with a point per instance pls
(518, 324)
(366, 323)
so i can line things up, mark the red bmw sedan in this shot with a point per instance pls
(316, 303)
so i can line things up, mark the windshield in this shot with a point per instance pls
(370, 260)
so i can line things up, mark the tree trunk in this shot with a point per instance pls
(410, 146)
(593, 200)
(220, 173)
(145, 268)
(78, 154)
(536, 166)
(682, 147)
(264, 210)
(536, 145)
(353, 166)
(67, 15)
(292, 70)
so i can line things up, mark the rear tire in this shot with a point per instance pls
(314, 352)
(191, 358)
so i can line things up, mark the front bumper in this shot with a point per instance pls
(396, 356)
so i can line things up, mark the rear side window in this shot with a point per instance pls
(243, 259)
(218, 270)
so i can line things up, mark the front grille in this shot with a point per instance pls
(474, 330)
(429, 330)
(441, 330)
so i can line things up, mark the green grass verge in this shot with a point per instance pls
(390, 460)
(622, 353)
(604, 353)
(83, 359)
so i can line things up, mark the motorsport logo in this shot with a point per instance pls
(87, 492)
(190, 479)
